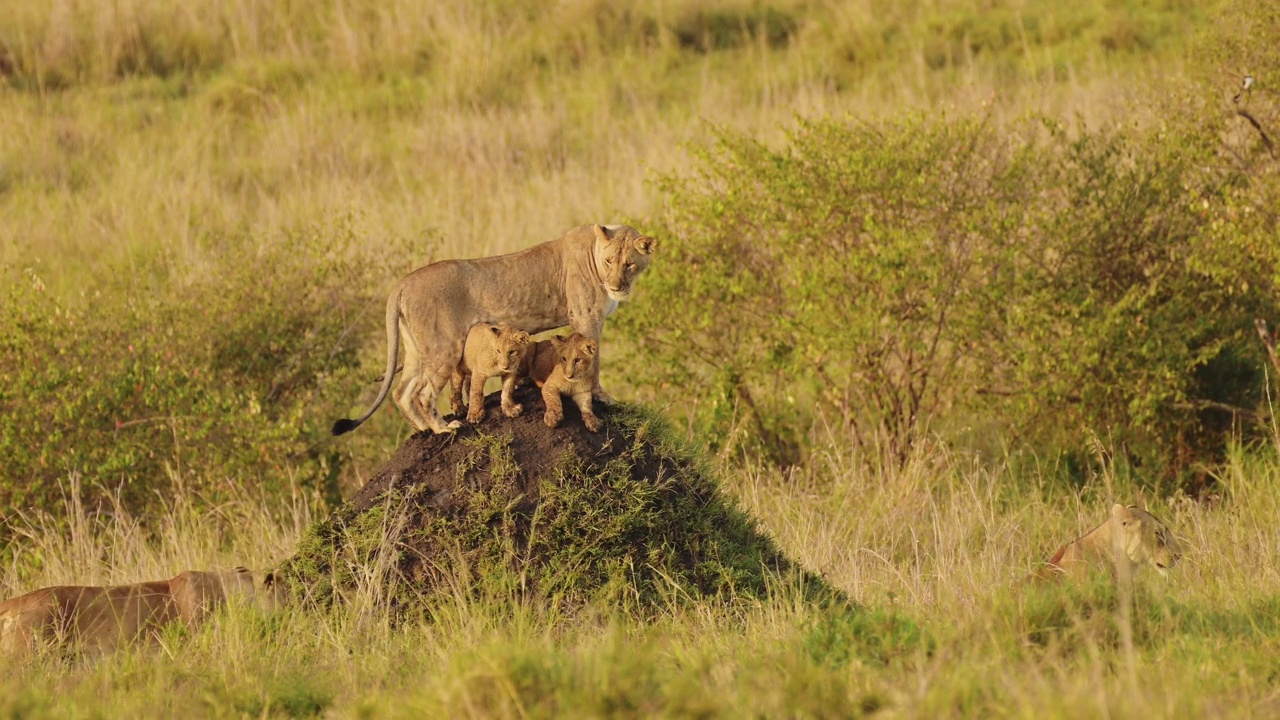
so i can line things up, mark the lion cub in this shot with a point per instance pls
(564, 367)
(98, 619)
(490, 350)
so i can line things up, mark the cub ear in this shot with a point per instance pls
(645, 245)
(522, 337)
(557, 342)
(589, 347)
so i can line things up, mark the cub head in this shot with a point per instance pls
(621, 253)
(576, 355)
(1143, 538)
(508, 347)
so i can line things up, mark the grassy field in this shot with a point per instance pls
(172, 148)
(942, 545)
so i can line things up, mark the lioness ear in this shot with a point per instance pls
(1119, 512)
(269, 579)
(1142, 500)
(495, 329)
(601, 235)
(645, 245)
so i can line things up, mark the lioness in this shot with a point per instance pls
(1129, 539)
(98, 619)
(576, 280)
(490, 350)
(565, 366)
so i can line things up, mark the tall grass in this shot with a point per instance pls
(941, 544)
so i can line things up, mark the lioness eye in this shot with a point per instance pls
(608, 261)
(631, 266)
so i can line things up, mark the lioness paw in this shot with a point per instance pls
(603, 397)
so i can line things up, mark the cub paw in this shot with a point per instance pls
(552, 420)
(592, 422)
(514, 410)
(475, 415)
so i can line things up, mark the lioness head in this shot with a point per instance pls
(621, 255)
(576, 355)
(508, 347)
(1143, 538)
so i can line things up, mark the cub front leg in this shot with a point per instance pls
(475, 413)
(555, 409)
(510, 407)
(459, 383)
(583, 399)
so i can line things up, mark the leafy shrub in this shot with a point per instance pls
(854, 271)
(897, 275)
(204, 379)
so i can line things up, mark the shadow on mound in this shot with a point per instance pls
(627, 515)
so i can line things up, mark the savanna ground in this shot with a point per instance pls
(201, 207)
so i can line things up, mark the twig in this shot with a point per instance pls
(1271, 148)
(1267, 341)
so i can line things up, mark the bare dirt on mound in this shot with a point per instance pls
(428, 461)
(626, 514)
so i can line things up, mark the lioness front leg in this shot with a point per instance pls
(510, 407)
(592, 327)
(588, 413)
(555, 409)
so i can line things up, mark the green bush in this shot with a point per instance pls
(852, 272)
(927, 274)
(221, 375)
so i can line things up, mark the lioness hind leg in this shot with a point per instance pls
(433, 383)
(410, 387)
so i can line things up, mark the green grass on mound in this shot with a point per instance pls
(628, 516)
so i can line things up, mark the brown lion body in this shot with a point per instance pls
(490, 351)
(99, 619)
(576, 280)
(1130, 539)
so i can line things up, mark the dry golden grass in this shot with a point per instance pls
(506, 130)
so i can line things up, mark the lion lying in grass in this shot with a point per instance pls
(1128, 540)
(98, 619)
